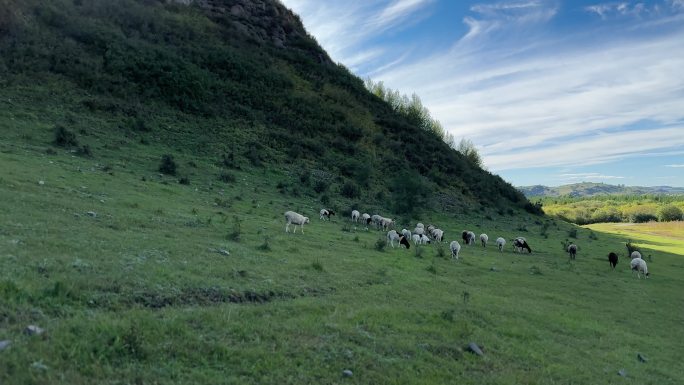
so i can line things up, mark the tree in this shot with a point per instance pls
(409, 193)
(467, 149)
(669, 213)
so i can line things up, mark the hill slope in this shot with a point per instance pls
(236, 81)
(589, 189)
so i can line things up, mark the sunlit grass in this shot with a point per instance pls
(662, 236)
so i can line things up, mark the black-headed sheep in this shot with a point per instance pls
(520, 244)
(326, 213)
(468, 237)
(392, 236)
(293, 218)
(572, 250)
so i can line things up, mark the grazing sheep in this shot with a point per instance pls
(613, 259)
(437, 235)
(416, 239)
(635, 254)
(520, 244)
(392, 236)
(430, 228)
(639, 265)
(386, 223)
(355, 215)
(424, 240)
(484, 238)
(572, 250)
(293, 218)
(406, 233)
(366, 219)
(455, 247)
(377, 220)
(468, 237)
(325, 214)
(500, 242)
(419, 231)
(422, 226)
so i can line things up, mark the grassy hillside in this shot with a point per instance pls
(238, 81)
(128, 279)
(664, 236)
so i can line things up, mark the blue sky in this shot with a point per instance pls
(551, 92)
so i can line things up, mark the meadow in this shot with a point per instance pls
(139, 279)
(661, 236)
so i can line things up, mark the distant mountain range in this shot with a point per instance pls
(588, 189)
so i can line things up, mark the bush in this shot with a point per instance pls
(572, 233)
(380, 244)
(64, 137)
(227, 177)
(320, 186)
(167, 166)
(350, 190)
(85, 151)
(184, 180)
(669, 213)
(642, 218)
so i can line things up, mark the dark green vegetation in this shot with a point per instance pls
(237, 81)
(589, 189)
(138, 278)
(616, 208)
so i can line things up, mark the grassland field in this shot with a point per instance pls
(137, 290)
(661, 236)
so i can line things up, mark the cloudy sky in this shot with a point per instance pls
(550, 91)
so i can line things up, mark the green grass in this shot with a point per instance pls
(662, 236)
(140, 293)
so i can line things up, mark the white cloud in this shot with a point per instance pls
(675, 165)
(588, 176)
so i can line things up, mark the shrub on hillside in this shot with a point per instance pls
(64, 137)
(167, 165)
(350, 190)
(642, 218)
(669, 213)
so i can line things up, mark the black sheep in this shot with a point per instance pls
(613, 259)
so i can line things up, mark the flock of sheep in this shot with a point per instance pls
(422, 235)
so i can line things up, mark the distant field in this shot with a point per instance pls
(662, 236)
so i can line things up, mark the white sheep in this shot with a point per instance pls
(422, 226)
(355, 215)
(296, 219)
(366, 218)
(392, 236)
(386, 223)
(419, 231)
(430, 228)
(572, 250)
(484, 238)
(500, 242)
(468, 237)
(416, 239)
(406, 233)
(377, 220)
(635, 254)
(424, 240)
(326, 213)
(437, 235)
(639, 265)
(455, 247)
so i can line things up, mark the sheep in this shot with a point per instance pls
(377, 220)
(296, 219)
(326, 213)
(430, 228)
(520, 243)
(416, 239)
(437, 235)
(639, 265)
(392, 236)
(572, 250)
(355, 215)
(613, 259)
(500, 242)
(406, 233)
(484, 238)
(366, 218)
(419, 231)
(424, 239)
(635, 254)
(422, 226)
(468, 237)
(455, 247)
(387, 223)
